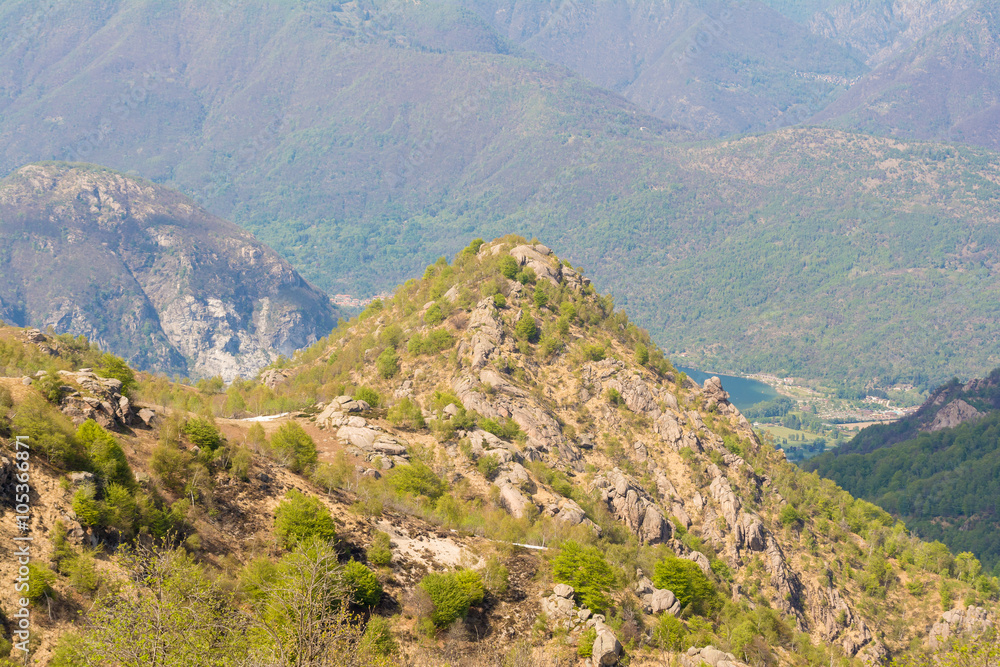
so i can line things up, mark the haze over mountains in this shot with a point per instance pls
(362, 140)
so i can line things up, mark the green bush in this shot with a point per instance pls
(506, 429)
(366, 591)
(641, 354)
(300, 518)
(585, 644)
(789, 516)
(526, 329)
(114, 367)
(593, 352)
(294, 447)
(120, 510)
(452, 594)
(89, 511)
(40, 580)
(106, 456)
(670, 633)
(50, 432)
(615, 397)
(378, 638)
(202, 433)
(435, 341)
(434, 315)
(379, 553)
(369, 396)
(509, 267)
(406, 414)
(387, 363)
(526, 276)
(685, 579)
(540, 297)
(488, 466)
(416, 479)
(585, 569)
(499, 301)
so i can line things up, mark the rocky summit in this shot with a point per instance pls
(147, 274)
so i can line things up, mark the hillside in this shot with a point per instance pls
(804, 252)
(469, 412)
(937, 469)
(695, 63)
(147, 274)
(942, 88)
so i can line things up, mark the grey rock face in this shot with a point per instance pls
(629, 503)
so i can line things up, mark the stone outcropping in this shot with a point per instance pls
(953, 414)
(89, 396)
(971, 620)
(630, 504)
(709, 655)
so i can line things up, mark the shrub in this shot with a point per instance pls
(369, 396)
(685, 579)
(82, 572)
(406, 413)
(202, 433)
(416, 479)
(641, 354)
(106, 456)
(380, 552)
(585, 645)
(526, 329)
(452, 594)
(499, 301)
(50, 432)
(435, 341)
(294, 447)
(378, 637)
(301, 518)
(593, 352)
(434, 315)
(120, 511)
(488, 466)
(89, 511)
(365, 589)
(540, 297)
(526, 276)
(40, 579)
(789, 516)
(506, 429)
(670, 633)
(114, 367)
(615, 397)
(387, 363)
(585, 569)
(240, 464)
(509, 267)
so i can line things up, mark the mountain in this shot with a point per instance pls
(936, 469)
(501, 458)
(145, 273)
(699, 64)
(412, 129)
(942, 88)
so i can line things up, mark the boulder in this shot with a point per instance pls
(663, 600)
(607, 648)
(146, 416)
(513, 500)
(563, 591)
(81, 478)
(363, 438)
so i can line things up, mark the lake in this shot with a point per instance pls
(743, 392)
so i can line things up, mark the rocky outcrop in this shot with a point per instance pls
(953, 414)
(570, 512)
(338, 411)
(149, 274)
(709, 655)
(656, 600)
(631, 505)
(89, 396)
(958, 621)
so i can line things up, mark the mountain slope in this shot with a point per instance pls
(147, 274)
(448, 426)
(936, 469)
(942, 88)
(696, 63)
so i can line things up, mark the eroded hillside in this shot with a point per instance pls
(529, 481)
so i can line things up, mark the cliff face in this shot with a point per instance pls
(148, 275)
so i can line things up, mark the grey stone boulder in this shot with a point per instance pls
(607, 648)
(564, 591)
